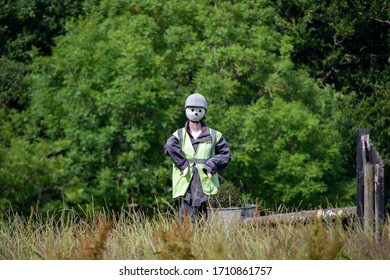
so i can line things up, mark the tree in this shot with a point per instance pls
(28, 177)
(287, 155)
(346, 44)
(27, 27)
(114, 87)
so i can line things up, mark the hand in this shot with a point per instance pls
(185, 171)
(209, 174)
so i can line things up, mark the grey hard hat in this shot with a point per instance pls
(196, 100)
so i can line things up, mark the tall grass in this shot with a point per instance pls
(131, 235)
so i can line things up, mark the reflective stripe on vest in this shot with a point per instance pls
(198, 159)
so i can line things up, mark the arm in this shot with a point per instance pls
(220, 160)
(174, 151)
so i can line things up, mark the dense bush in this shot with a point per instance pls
(96, 109)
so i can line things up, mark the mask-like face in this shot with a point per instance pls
(195, 114)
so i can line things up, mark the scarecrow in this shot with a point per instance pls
(198, 153)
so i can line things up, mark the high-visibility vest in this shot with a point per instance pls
(198, 159)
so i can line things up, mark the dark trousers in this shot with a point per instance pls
(195, 213)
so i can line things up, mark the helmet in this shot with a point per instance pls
(196, 100)
(196, 106)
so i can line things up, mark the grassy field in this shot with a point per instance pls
(133, 236)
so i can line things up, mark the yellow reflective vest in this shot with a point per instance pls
(198, 159)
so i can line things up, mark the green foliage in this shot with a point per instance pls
(13, 93)
(29, 173)
(114, 86)
(25, 24)
(112, 90)
(228, 195)
(345, 43)
(27, 27)
(285, 153)
(109, 90)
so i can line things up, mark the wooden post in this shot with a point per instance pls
(368, 197)
(379, 193)
(370, 192)
(361, 159)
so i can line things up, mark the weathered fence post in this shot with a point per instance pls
(370, 184)
(361, 159)
(379, 193)
(368, 197)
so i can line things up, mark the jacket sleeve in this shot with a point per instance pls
(221, 158)
(174, 151)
